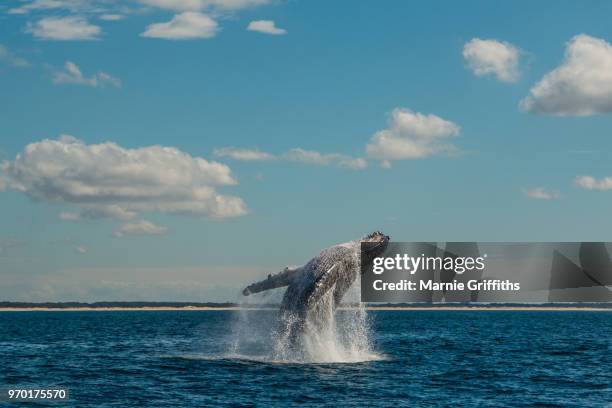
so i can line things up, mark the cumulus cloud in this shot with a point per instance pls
(297, 155)
(64, 29)
(189, 25)
(581, 85)
(142, 227)
(11, 59)
(591, 183)
(243, 154)
(412, 135)
(540, 193)
(492, 57)
(108, 181)
(265, 27)
(198, 5)
(71, 74)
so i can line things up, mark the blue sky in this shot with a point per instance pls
(398, 116)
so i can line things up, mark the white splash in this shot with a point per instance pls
(329, 336)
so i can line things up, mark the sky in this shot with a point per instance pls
(179, 149)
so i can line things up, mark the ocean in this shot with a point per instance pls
(228, 358)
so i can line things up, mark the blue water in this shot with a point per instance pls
(428, 358)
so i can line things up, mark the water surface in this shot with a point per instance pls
(420, 358)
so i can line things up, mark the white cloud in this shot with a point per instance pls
(107, 10)
(112, 17)
(80, 249)
(353, 163)
(411, 135)
(94, 213)
(581, 85)
(323, 159)
(71, 74)
(491, 57)
(309, 157)
(540, 193)
(297, 155)
(266, 27)
(591, 183)
(198, 5)
(64, 29)
(142, 227)
(108, 181)
(44, 5)
(243, 154)
(11, 59)
(185, 26)
(74, 6)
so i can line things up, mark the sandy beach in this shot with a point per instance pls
(373, 308)
(112, 309)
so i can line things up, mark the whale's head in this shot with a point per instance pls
(373, 245)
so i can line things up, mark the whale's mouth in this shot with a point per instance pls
(373, 245)
(378, 245)
(376, 240)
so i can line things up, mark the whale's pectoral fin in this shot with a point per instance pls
(321, 286)
(283, 278)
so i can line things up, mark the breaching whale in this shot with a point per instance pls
(332, 272)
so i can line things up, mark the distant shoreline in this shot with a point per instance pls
(543, 308)
(119, 309)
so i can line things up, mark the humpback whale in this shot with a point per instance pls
(331, 272)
